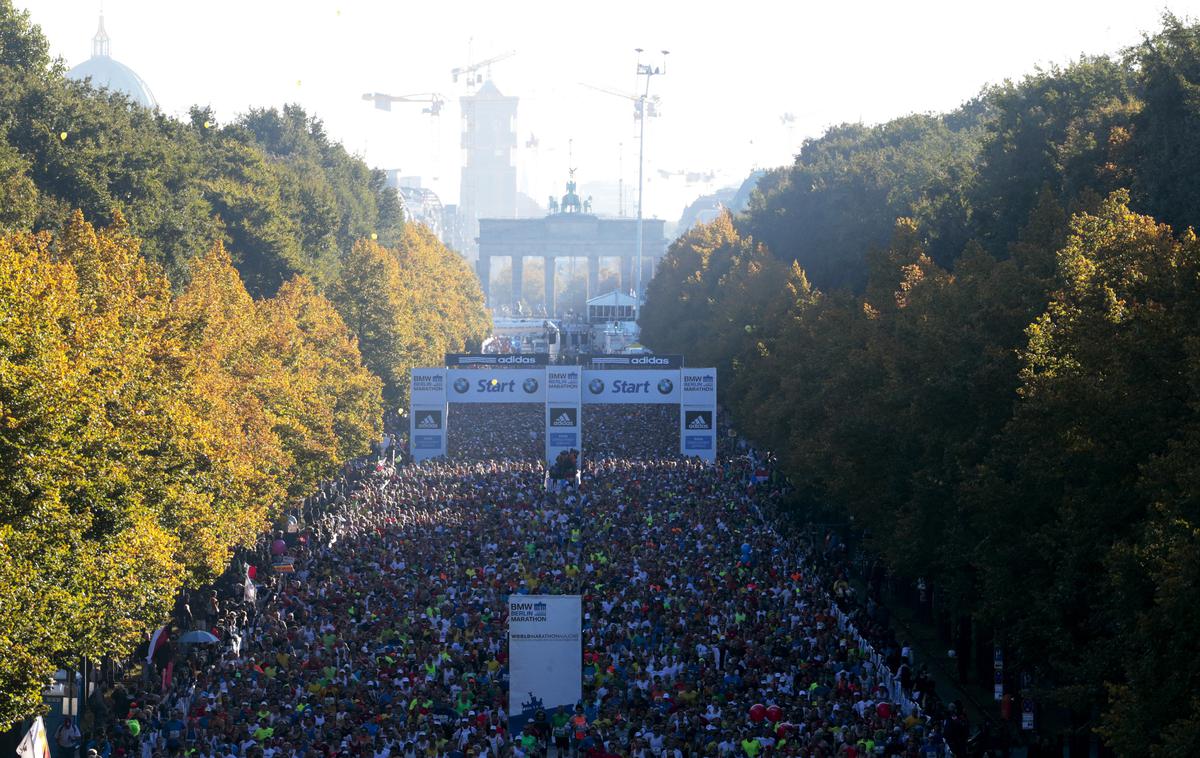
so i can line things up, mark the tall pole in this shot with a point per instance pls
(637, 274)
(648, 71)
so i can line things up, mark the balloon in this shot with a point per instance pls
(774, 714)
(783, 730)
(745, 547)
(62, 136)
(278, 547)
(758, 712)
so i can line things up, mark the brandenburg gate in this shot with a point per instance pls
(568, 235)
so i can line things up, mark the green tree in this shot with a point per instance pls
(366, 294)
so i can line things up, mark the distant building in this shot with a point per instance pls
(489, 178)
(610, 318)
(563, 236)
(421, 204)
(613, 306)
(107, 73)
(570, 231)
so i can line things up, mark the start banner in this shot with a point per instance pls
(563, 385)
(545, 655)
(483, 385)
(630, 386)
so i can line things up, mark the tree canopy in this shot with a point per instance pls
(198, 323)
(992, 370)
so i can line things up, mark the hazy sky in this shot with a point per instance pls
(734, 69)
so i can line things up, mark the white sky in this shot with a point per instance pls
(734, 69)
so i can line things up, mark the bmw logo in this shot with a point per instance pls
(596, 386)
(530, 386)
(665, 386)
(461, 386)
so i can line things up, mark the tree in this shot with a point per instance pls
(39, 300)
(366, 293)
(326, 405)
(847, 188)
(1100, 401)
(1163, 132)
(408, 306)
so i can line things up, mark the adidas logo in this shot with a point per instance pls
(564, 419)
(698, 423)
(429, 422)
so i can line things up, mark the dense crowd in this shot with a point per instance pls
(517, 431)
(639, 430)
(708, 629)
(496, 431)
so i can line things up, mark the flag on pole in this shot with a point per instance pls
(34, 744)
(155, 641)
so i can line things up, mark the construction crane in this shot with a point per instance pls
(469, 70)
(384, 102)
(652, 103)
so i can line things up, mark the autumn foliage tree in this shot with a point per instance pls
(145, 435)
(198, 322)
(408, 306)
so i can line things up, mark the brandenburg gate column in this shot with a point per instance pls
(549, 263)
(518, 277)
(593, 282)
(649, 263)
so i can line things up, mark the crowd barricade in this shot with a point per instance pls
(895, 692)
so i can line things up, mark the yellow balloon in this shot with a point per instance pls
(208, 125)
(374, 236)
(62, 136)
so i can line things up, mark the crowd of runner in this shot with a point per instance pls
(708, 629)
(637, 431)
(517, 431)
(496, 431)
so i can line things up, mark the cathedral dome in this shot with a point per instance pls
(111, 74)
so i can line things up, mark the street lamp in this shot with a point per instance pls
(648, 71)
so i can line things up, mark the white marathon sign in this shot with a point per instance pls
(611, 386)
(427, 413)
(485, 385)
(563, 385)
(545, 653)
(698, 413)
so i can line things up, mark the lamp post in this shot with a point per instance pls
(648, 71)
